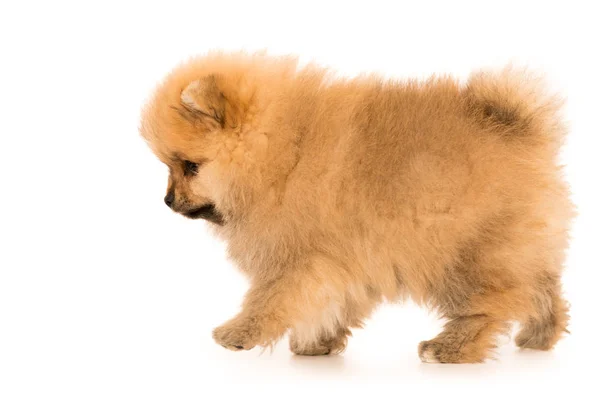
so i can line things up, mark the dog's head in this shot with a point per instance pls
(209, 123)
(191, 123)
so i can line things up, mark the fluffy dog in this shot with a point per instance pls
(336, 194)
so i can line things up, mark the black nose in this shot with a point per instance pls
(170, 198)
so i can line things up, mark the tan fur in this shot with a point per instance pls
(337, 194)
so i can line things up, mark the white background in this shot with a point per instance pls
(105, 294)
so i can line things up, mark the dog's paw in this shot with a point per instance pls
(236, 335)
(310, 350)
(451, 351)
(429, 352)
(322, 346)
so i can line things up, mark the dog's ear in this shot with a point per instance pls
(203, 99)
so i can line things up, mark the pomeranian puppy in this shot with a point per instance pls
(334, 195)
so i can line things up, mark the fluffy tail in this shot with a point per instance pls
(516, 104)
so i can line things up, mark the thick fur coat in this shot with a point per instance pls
(336, 194)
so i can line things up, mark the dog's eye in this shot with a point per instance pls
(190, 168)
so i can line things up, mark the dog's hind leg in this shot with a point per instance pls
(546, 325)
(467, 339)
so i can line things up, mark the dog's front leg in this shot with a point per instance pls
(271, 308)
(264, 318)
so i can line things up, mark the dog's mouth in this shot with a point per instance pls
(207, 212)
